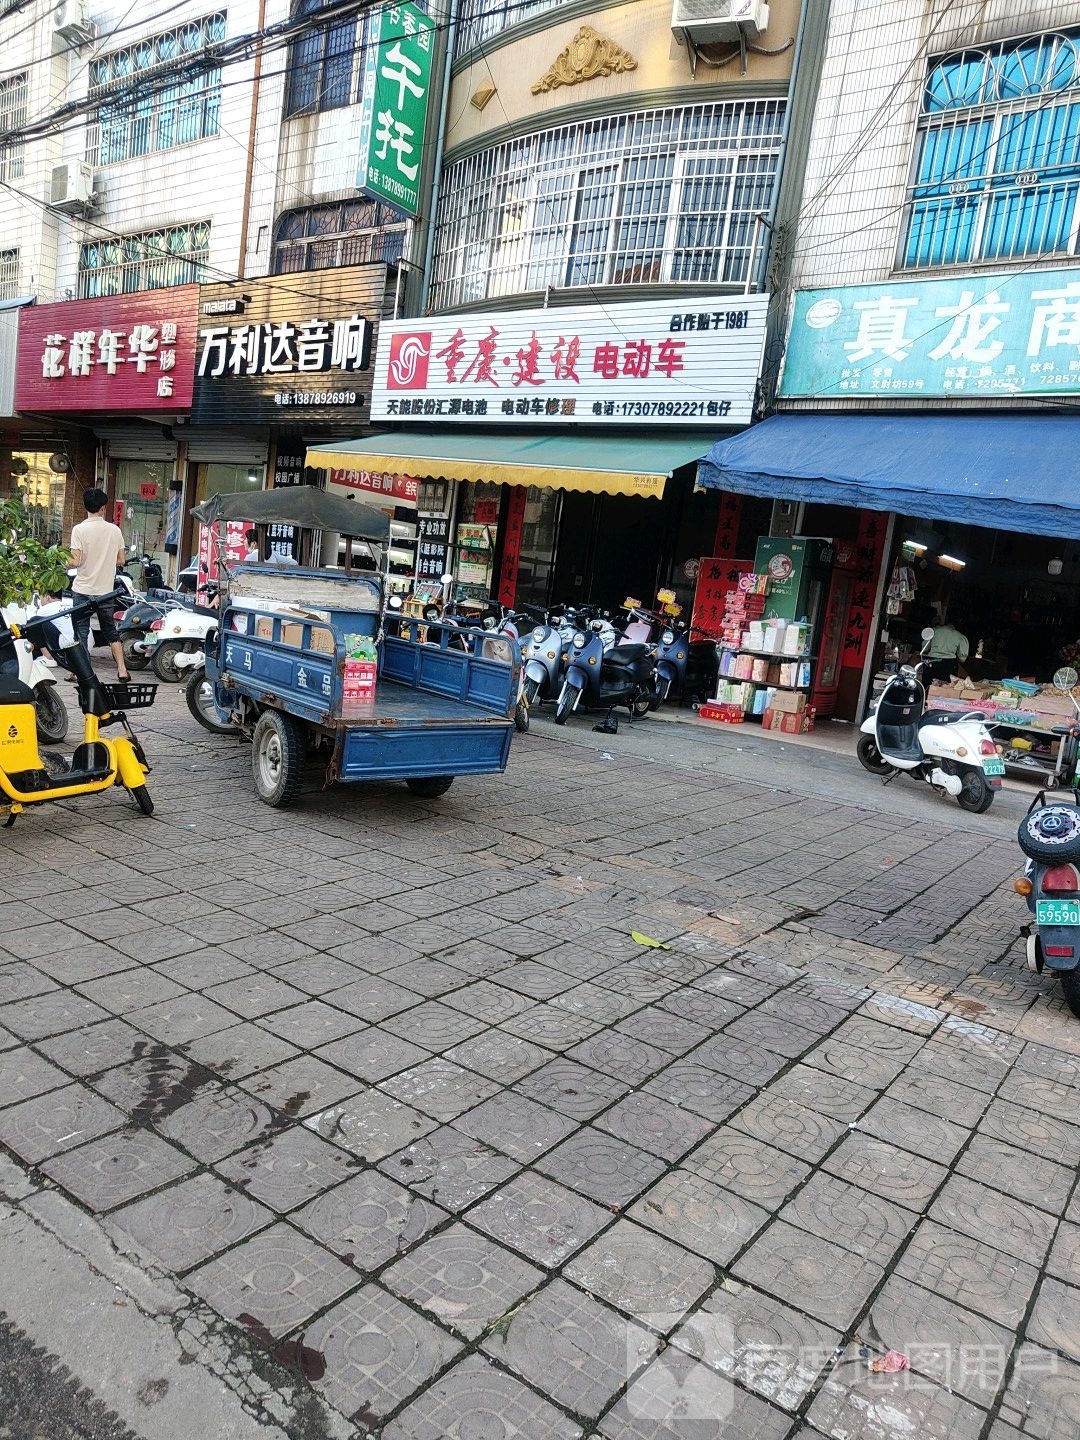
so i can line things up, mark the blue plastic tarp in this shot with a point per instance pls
(1006, 472)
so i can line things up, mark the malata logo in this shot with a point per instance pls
(407, 368)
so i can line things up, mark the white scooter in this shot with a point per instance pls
(17, 658)
(175, 643)
(952, 752)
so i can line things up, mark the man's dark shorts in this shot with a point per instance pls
(104, 608)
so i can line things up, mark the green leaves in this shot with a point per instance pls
(27, 567)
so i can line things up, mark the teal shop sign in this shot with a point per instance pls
(396, 85)
(980, 337)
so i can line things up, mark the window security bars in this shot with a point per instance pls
(178, 255)
(159, 118)
(14, 92)
(660, 196)
(9, 274)
(480, 20)
(322, 237)
(997, 157)
(326, 65)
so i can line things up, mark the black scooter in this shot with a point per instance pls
(599, 679)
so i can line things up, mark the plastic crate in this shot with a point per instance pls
(131, 695)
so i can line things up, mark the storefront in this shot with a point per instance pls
(933, 406)
(566, 439)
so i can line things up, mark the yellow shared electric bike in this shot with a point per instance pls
(29, 776)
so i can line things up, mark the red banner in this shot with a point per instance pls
(511, 556)
(400, 487)
(717, 575)
(866, 565)
(124, 352)
(727, 525)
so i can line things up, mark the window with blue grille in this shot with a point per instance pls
(997, 159)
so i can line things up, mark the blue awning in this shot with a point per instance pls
(1006, 472)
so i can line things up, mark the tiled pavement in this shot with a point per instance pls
(391, 1079)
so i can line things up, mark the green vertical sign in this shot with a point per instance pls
(398, 79)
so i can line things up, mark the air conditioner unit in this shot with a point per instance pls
(712, 22)
(71, 187)
(72, 26)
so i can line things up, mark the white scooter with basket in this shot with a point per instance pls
(953, 752)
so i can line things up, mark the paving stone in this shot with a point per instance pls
(476, 1399)
(301, 1086)
(24, 1074)
(750, 1168)
(440, 1088)
(815, 1090)
(571, 1089)
(50, 1014)
(1043, 1395)
(660, 1027)
(544, 1221)
(273, 1281)
(866, 1034)
(809, 1273)
(914, 1130)
(679, 1397)
(1020, 1174)
(1032, 1131)
(488, 1001)
(205, 967)
(855, 1219)
(255, 995)
(239, 1051)
(945, 1098)
(116, 1168)
(571, 1347)
(215, 1123)
(850, 1062)
(551, 1026)
(962, 1352)
(757, 1340)
(791, 1128)
(377, 1353)
(368, 1220)
(371, 1125)
(654, 1126)
(1019, 1229)
(1064, 1261)
(287, 1170)
(187, 1017)
(434, 1026)
(19, 980)
(885, 1170)
(602, 1167)
(644, 1274)
(751, 1064)
(189, 1222)
(372, 1054)
(969, 1271)
(317, 974)
(57, 1121)
(712, 1011)
(449, 1167)
(772, 1033)
(464, 1279)
(885, 1407)
(516, 1125)
(1055, 1321)
(501, 1057)
(596, 1003)
(621, 1056)
(701, 1090)
(699, 1215)
(311, 1024)
(130, 990)
(950, 1063)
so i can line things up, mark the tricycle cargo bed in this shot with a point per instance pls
(406, 732)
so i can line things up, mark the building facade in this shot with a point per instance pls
(931, 365)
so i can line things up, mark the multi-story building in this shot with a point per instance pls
(925, 409)
(597, 280)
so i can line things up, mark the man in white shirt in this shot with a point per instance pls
(97, 552)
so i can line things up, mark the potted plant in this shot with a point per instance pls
(28, 568)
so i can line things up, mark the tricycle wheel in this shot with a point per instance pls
(521, 715)
(141, 796)
(199, 693)
(1070, 985)
(277, 758)
(430, 787)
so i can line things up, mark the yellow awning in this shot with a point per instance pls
(592, 464)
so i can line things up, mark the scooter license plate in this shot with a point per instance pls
(1057, 912)
(994, 767)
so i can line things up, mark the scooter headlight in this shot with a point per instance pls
(579, 641)
(668, 637)
(538, 633)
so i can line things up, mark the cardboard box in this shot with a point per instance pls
(264, 627)
(722, 713)
(789, 702)
(800, 723)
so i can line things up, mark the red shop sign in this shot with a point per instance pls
(401, 487)
(123, 352)
(148, 490)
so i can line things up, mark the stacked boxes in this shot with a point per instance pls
(361, 670)
(743, 607)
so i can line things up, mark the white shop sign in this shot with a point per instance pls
(651, 362)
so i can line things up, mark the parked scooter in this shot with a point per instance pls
(686, 669)
(18, 661)
(544, 651)
(29, 776)
(599, 679)
(175, 641)
(954, 753)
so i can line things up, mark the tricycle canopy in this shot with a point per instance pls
(299, 505)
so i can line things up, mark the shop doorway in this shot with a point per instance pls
(141, 492)
(213, 478)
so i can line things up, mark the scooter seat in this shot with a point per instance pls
(899, 741)
(625, 654)
(938, 717)
(205, 610)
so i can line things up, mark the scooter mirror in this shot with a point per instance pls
(926, 634)
(1065, 679)
(447, 579)
(394, 603)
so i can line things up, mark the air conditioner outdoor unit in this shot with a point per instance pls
(72, 26)
(71, 187)
(712, 22)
